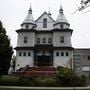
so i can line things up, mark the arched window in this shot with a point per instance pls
(44, 23)
(62, 39)
(49, 40)
(44, 40)
(38, 40)
(25, 39)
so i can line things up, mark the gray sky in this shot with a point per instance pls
(13, 12)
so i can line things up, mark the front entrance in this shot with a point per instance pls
(43, 58)
(43, 61)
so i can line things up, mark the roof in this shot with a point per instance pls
(46, 14)
(61, 17)
(29, 18)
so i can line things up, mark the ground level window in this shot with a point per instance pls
(62, 53)
(57, 53)
(29, 53)
(24, 53)
(88, 57)
(20, 53)
(67, 54)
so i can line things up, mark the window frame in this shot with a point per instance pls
(25, 39)
(29, 53)
(62, 39)
(49, 40)
(38, 40)
(88, 57)
(45, 23)
(24, 53)
(67, 54)
(20, 53)
(27, 26)
(44, 40)
(62, 54)
(57, 54)
(61, 26)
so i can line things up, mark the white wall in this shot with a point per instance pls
(22, 61)
(31, 39)
(65, 61)
(67, 39)
(30, 26)
(64, 26)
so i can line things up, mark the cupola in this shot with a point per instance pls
(29, 22)
(61, 21)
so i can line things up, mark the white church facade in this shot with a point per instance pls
(44, 42)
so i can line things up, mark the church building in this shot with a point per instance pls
(44, 42)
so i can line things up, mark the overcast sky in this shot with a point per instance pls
(13, 12)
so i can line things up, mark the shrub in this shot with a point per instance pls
(67, 77)
(8, 80)
(45, 81)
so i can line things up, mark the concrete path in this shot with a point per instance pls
(45, 88)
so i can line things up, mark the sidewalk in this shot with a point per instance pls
(46, 88)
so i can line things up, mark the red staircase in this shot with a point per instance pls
(38, 71)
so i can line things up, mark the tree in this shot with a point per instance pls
(6, 51)
(83, 5)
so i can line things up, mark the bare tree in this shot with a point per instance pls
(83, 5)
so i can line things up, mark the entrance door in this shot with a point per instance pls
(43, 61)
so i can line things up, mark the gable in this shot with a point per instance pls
(49, 19)
(45, 15)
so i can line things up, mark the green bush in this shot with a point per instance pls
(45, 81)
(24, 81)
(8, 80)
(67, 77)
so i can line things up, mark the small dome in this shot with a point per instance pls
(61, 19)
(29, 19)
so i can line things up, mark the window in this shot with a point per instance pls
(57, 53)
(25, 39)
(61, 26)
(44, 40)
(38, 40)
(29, 53)
(62, 39)
(27, 26)
(77, 57)
(62, 53)
(88, 57)
(24, 53)
(49, 40)
(44, 23)
(67, 54)
(86, 68)
(20, 54)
